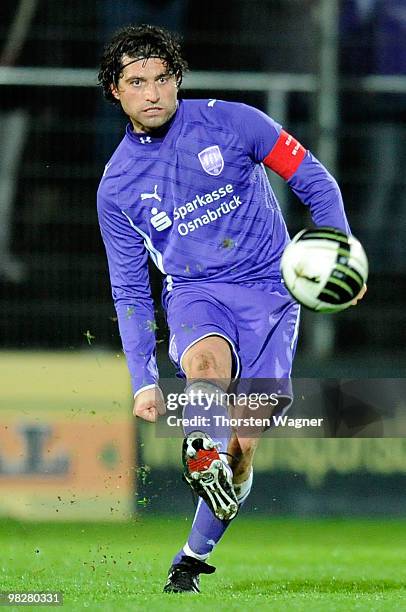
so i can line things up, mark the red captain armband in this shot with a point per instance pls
(286, 156)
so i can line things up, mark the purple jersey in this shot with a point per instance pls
(197, 200)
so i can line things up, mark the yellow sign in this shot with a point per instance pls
(66, 436)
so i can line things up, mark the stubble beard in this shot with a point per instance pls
(149, 124)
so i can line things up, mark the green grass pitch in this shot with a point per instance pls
(269, 564)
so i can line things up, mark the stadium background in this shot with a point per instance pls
(68, 445)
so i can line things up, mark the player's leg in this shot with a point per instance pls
(207, 530)
(242, 452)
(207, 365)
(208, 360)
(203, 346)
(270, 350)
(195, 315)
(267, 321)
(211, 358)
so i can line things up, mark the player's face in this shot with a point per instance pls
(147, 93)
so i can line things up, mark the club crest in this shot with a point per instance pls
(212, 160)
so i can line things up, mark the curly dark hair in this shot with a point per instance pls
(141, 42)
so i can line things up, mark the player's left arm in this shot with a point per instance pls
(312, 183)
(309, 180)
(270, 144)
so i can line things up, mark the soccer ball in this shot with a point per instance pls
(324, 269)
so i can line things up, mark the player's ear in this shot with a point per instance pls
(114, 91)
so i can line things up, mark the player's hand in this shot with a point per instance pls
(360, 295)
(149, 404)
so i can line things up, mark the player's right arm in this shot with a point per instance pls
(128, 268)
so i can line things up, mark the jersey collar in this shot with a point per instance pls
(152, 137)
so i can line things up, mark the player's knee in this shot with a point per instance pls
(210, 358)
(204, 364)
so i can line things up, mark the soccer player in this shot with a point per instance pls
(187, 187)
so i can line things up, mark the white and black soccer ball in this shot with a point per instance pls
(324, 269)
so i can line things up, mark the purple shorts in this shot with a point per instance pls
(260, 322)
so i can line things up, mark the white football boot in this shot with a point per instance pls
(208, 475)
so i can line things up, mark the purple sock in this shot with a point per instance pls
(207, 530)
(205, 533)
